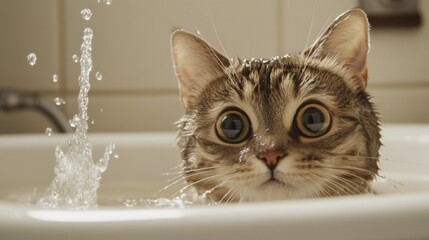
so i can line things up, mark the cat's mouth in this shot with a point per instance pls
(272, 182)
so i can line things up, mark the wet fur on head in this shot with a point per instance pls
(332, 73)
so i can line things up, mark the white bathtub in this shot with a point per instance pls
(26, 165)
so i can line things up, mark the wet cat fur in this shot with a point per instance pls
(332, 73)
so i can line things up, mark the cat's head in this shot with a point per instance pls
(295, 126)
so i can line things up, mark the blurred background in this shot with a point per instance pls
(131, 49)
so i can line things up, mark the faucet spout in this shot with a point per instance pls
(11, 100)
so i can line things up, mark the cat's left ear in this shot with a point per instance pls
(196, 64)
(347, 41)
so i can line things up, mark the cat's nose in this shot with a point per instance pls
(271, 158)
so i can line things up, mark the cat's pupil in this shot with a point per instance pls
(232, 126)
(313, 120)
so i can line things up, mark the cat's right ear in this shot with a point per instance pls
(347, 41)
(196, 63)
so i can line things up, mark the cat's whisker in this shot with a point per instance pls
(230, 191)
(319, 181)
(190, 170)
(351, 168)
(210, 178)
(314, 190)
(204, 195)
(225, 68)
(188, 175)
(347, 190)
(311, 26)
(342, 170)
(168, 186)
(324, 27)
(390, 181)
(352, 156)
(177, 166)
(219, 61)
(200, 169)
(322, 188)
(317, 192)
(217, 34)
(182, 178)
(353, 186)
(171, 173)
(238, 189)
(327, 182)
(351, 183)
(337, 188)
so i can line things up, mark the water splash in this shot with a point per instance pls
(32, 59)
(158, 203)
(77, 176)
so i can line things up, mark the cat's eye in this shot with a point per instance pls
(233, 126)
(312, 120)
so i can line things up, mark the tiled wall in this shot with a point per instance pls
(138, 91)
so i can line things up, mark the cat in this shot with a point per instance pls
(290, 127)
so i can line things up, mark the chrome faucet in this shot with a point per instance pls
(11, 100)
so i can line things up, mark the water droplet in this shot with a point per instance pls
(101, 110)
(75, 58)
(243, 154)
(48, 131)
(86, 14)
(55, 78)
(198, 32)
(32, 59)
(59, 101)
(92, 121)
(88, 32)
(107, 2)
(116, 156)
(74, 121)
(98, 76)
(204, 195)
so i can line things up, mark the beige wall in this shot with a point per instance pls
(131, 49)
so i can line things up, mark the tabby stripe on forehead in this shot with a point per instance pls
(238, 87)
(276, 77)
(296, 84)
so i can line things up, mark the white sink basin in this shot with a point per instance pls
(399, 211)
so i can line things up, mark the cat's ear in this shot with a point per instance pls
(196, 63)
(347, 41)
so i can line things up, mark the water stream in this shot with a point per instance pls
(77, 175)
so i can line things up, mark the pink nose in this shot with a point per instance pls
(271, 157)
